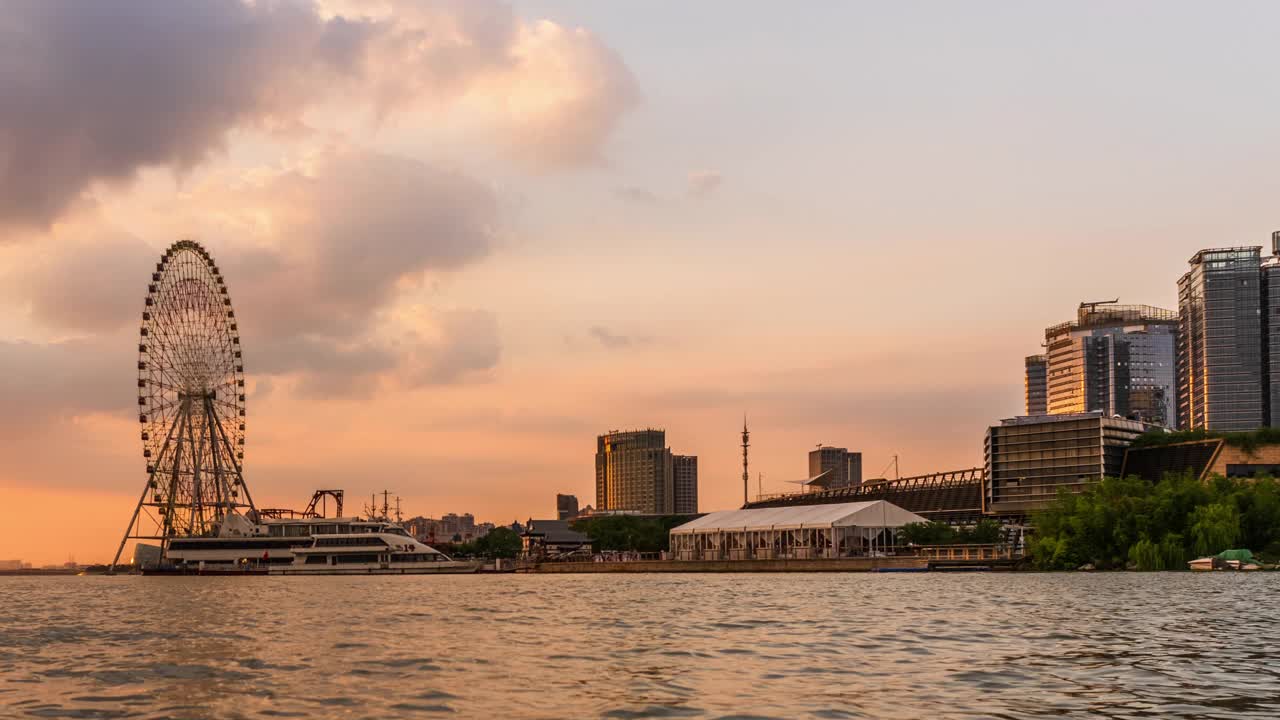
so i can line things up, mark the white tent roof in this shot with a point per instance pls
(875, 513)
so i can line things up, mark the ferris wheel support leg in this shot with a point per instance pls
(219, 474)
(231, 456)
(141, 501)
(129, 530)
(184, 419)
(197, 493)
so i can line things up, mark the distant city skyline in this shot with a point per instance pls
(455, 266)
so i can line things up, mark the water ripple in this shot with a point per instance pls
(712, 646)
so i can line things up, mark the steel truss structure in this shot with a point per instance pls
(191, 402)
(954, 496)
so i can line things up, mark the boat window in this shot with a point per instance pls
(276, 531)
(297, 530)
(356, 558)
(317, 559)
(349, 541)
(246, 544)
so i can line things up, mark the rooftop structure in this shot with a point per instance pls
(1203, 458)
(1029, 459)
(549, 538)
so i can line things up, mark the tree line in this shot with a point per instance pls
(1132, 523)
(629, 533)
(933, 532)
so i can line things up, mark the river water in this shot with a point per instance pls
(629, 646)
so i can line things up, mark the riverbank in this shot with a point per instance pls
(865, 564)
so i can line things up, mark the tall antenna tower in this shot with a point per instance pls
(746, 443)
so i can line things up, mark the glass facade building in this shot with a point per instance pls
(636, 471)
(1029, 459)
(1114, 359)
(1037, 385)
(1221, 341)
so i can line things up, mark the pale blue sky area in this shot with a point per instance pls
(1081, 132)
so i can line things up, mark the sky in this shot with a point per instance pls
(465, 237)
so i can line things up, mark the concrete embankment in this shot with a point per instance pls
(721, 566)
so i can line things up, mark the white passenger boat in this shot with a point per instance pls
(308, 546)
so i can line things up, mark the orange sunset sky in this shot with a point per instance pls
(464, 238)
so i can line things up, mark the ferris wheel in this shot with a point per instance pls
(191, 401)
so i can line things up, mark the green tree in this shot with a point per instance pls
(927, 533)
(629, 532)
(1215, 528)
(502, 542)
(985, 532)
(1259, 514)
(1145, 555)
(1116, 522)
(1173, 552)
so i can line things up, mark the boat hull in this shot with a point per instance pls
(206, 571)
(458, 569)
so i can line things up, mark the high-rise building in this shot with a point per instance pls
(1114, 359)
(635, 471)
(684, 470)
(1221, 341)
(566, 507)
(1029, 459)
(845, 467)
(1037, 385)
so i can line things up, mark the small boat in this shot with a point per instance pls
(1225, 560)
(1206, 564)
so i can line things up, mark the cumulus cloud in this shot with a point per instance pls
(344, 236)
(93, 92)
(465, 344)
(316, 258)
(347, 232)
(704, 182)
(318, 248)
(439, 348)
(88, 282)
(45, 382)
(565, 96)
